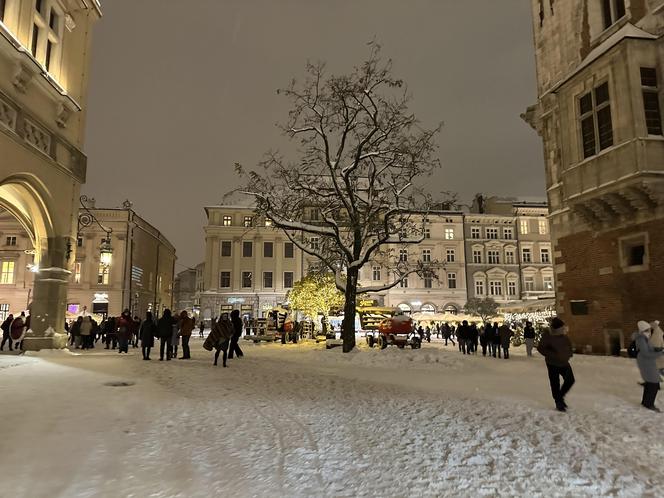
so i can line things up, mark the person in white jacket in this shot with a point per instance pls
(657, 342)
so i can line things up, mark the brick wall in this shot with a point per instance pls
(616, 299)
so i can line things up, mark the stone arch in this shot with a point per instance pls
(453, 308)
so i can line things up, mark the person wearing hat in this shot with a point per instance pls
(556, 348)
(646, 360)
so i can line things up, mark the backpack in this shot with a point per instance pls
(632, 352)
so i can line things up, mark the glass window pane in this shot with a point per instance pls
(588, 136)
(604, 128)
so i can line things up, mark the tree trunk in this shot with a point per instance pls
(348, 325)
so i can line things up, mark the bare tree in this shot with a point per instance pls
(352, 197)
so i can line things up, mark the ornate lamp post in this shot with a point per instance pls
(86, 219)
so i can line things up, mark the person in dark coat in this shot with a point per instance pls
(646, 360)
(495, 340)
(147, 333)
(462, 336)
(474, 336)
(529, 338)
(219, 338)
(556, 348)
(165, 331)
(125, 331)
(505, 333)
(17, 330)
(110, 334)
(5, 332)
(486, 335)
(186, 325)
(447, 334)
(234, 347)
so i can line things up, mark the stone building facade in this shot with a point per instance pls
(184, 291)
(45, 49)
(599, 81)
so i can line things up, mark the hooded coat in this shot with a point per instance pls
(148, 332)
(556, 347)
(165, 326)
(221, 333)
(646, 359)
(505, 333)
(657, 342)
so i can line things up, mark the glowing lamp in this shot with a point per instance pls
(106, 252)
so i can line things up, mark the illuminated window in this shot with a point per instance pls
(7, 273)
(227, 221)
(248, 221)
(268, 222)
(449, 234)
(288, 280)
(246, 279)
(102, 274)
(4, 311)
(451, 280)
(47, 26)
(543, 227)
(523, 227)
(11, 241)
(77, 272)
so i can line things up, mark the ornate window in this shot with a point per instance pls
(288, 280)
(46, 41)
(451, 280)
(225, 279)
(450, 255)
(495, 288)
(449, 234)
(226, 247)
(493, 257)
(595, 120)
(227, 221)
(491, 233)
(288, 250)
(246, 279)
(247, 249)
(651, 100)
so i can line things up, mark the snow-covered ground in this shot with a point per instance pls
(299, 420)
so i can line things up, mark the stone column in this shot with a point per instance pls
(49, 304)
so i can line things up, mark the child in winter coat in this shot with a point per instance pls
(646, 360)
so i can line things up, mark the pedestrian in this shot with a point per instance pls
(486, 334)
(657, 342)
(646, 360)
(136, 329)
(186, 328)
(6, 325)
(474, 336)
(529, 337)
(165, 330)
(447, 334)
(220, 338)
(110, 334)
(175, 336)
(462, 336)
(85, 332)
(556, 348)
(17, 331)
(125, 331)
(495, 340)
(505, 334)
(234, 347)
(201, 329)
(75, 333)
(147, 332)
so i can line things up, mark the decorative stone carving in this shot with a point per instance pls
(70, 24)
(7, 115)
(22, 77)
(37, 137)
(62, 115)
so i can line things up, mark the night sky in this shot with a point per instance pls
(181, 90)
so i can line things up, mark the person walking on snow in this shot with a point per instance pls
(125, 331)
(237, 333)
(165, 330)
(6, 325)
(657, 342)
(505, 333)
(646, 359)
(556, 348)
(219, 338)
(495, 340)
(186, 328)
(486, 334)
(529, 338)
(201, 330)
(147, 333)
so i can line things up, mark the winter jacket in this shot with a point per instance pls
(221, 333)
(646, 358)
(505, 334)
(486, 335)
(5, 326)
(237, 327)
(186, 326)
(495, 336)
(556, 347)
(657, 342)
(529, 332)
(165, 327)
(125, 326)
(148, 332)
(17, 328)
(86, 326)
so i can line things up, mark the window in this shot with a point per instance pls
(491, 233)
(248, 221)
(403, 255)
(493, 257)
(508, 233)
(314, 243)
(523, 227)
(227, 221)
(375, 273)
(511, 288)
(288, 280)
(427, 233)
(7, 272)
(526, 255)
(315, 214)
(479, 287)
(449, 234)
(509, 256)
(612, 11)
(451, 280)
(247, 249)
(529, 283)
(288, 250)
(426, 255)
(102, 274)
(267, 280)
(226, 246)
(246, 279)
(225, 279)
(4, 307)
(548, 282)
(268, 249)
(428, 281)
(475, 233)
(477, 255)
(545, 256)
(495, 288)
(651, 100)
(579, 307)
(595, 117)
(450, 255)
(10, 241)
(268, 222)
(46, 33)
(77, 272)
(543, 227)
(404, 283)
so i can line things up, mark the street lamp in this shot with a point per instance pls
(86, 219)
